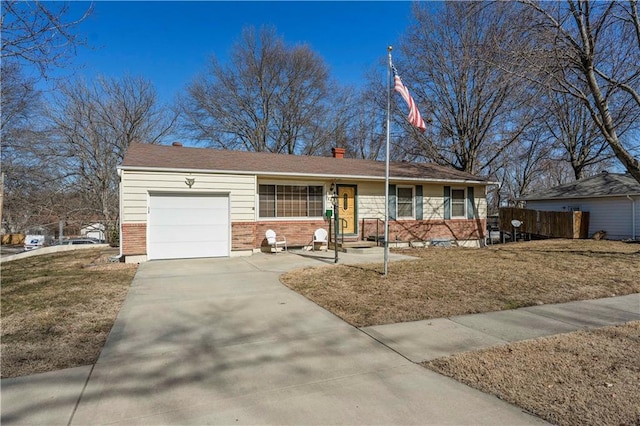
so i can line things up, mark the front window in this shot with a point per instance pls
(290, 201)
(458, 203)
(405, 201)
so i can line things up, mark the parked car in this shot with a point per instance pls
(75, 241)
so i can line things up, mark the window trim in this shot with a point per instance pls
(464, 202)
(413, 202)
(284, 218)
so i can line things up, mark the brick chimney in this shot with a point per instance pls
(337, 152)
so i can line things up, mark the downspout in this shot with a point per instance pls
(633, 217)
(120, 214)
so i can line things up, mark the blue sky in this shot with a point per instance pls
(170, 42)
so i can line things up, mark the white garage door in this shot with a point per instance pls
(188, 226)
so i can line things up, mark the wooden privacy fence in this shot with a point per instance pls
(12, 239)
(546, 224)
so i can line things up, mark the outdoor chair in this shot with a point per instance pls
(320, 236)
(273, 241)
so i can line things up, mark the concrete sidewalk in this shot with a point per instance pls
(426, 340)
(220, 341)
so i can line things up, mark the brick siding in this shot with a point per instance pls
(424, 230)
(134, 239)
(250, 235)
(297, 233)
(243, 235)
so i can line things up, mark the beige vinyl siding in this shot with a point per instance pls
(433, 202)
(371, 200)
(243, 189)
(137, 185)
(480, 201)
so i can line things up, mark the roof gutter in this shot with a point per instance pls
(581, 197)
(291, 174)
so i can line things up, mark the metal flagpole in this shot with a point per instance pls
(386, 170)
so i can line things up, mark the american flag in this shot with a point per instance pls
(414, 115)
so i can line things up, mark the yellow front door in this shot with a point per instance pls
(347, 209)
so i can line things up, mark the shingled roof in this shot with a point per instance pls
(161, 157)
(601, 185)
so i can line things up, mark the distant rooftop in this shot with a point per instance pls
(601, 185)
(162, 157)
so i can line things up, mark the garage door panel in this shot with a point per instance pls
(193, 210)
(167, 217)
(192, 250)
(192, 233)
(188, 226)
(187, 202)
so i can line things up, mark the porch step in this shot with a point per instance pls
(364, 250)
(352, 245)
(356, 244)
(352, 239)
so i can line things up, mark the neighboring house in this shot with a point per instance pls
(612, 200)
(178, 202)
(94, 230)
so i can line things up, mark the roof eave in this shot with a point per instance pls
(306, 175)
(580, 197)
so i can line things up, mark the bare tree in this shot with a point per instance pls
(270, 97)
(39, 33)
(576, 136)
(476, 109)
(358, 120)
(93, 124)
(590, 51)
(31, 191)
(36, 36)
(524, 165)
(27, 182)
(366, 137)
(18, 101)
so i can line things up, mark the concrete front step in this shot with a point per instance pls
(357, 244)
(364, 250)
(354, 244)
(357, 247)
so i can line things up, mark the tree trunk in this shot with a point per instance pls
(605, 123)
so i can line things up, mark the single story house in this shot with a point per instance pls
(612, 200)
(93, 230)
(180, 202)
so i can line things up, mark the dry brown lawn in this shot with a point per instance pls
(58, 309)
(456, 281)
(586, 377)
(581, 378)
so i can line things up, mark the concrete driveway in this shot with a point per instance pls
(221, 341)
